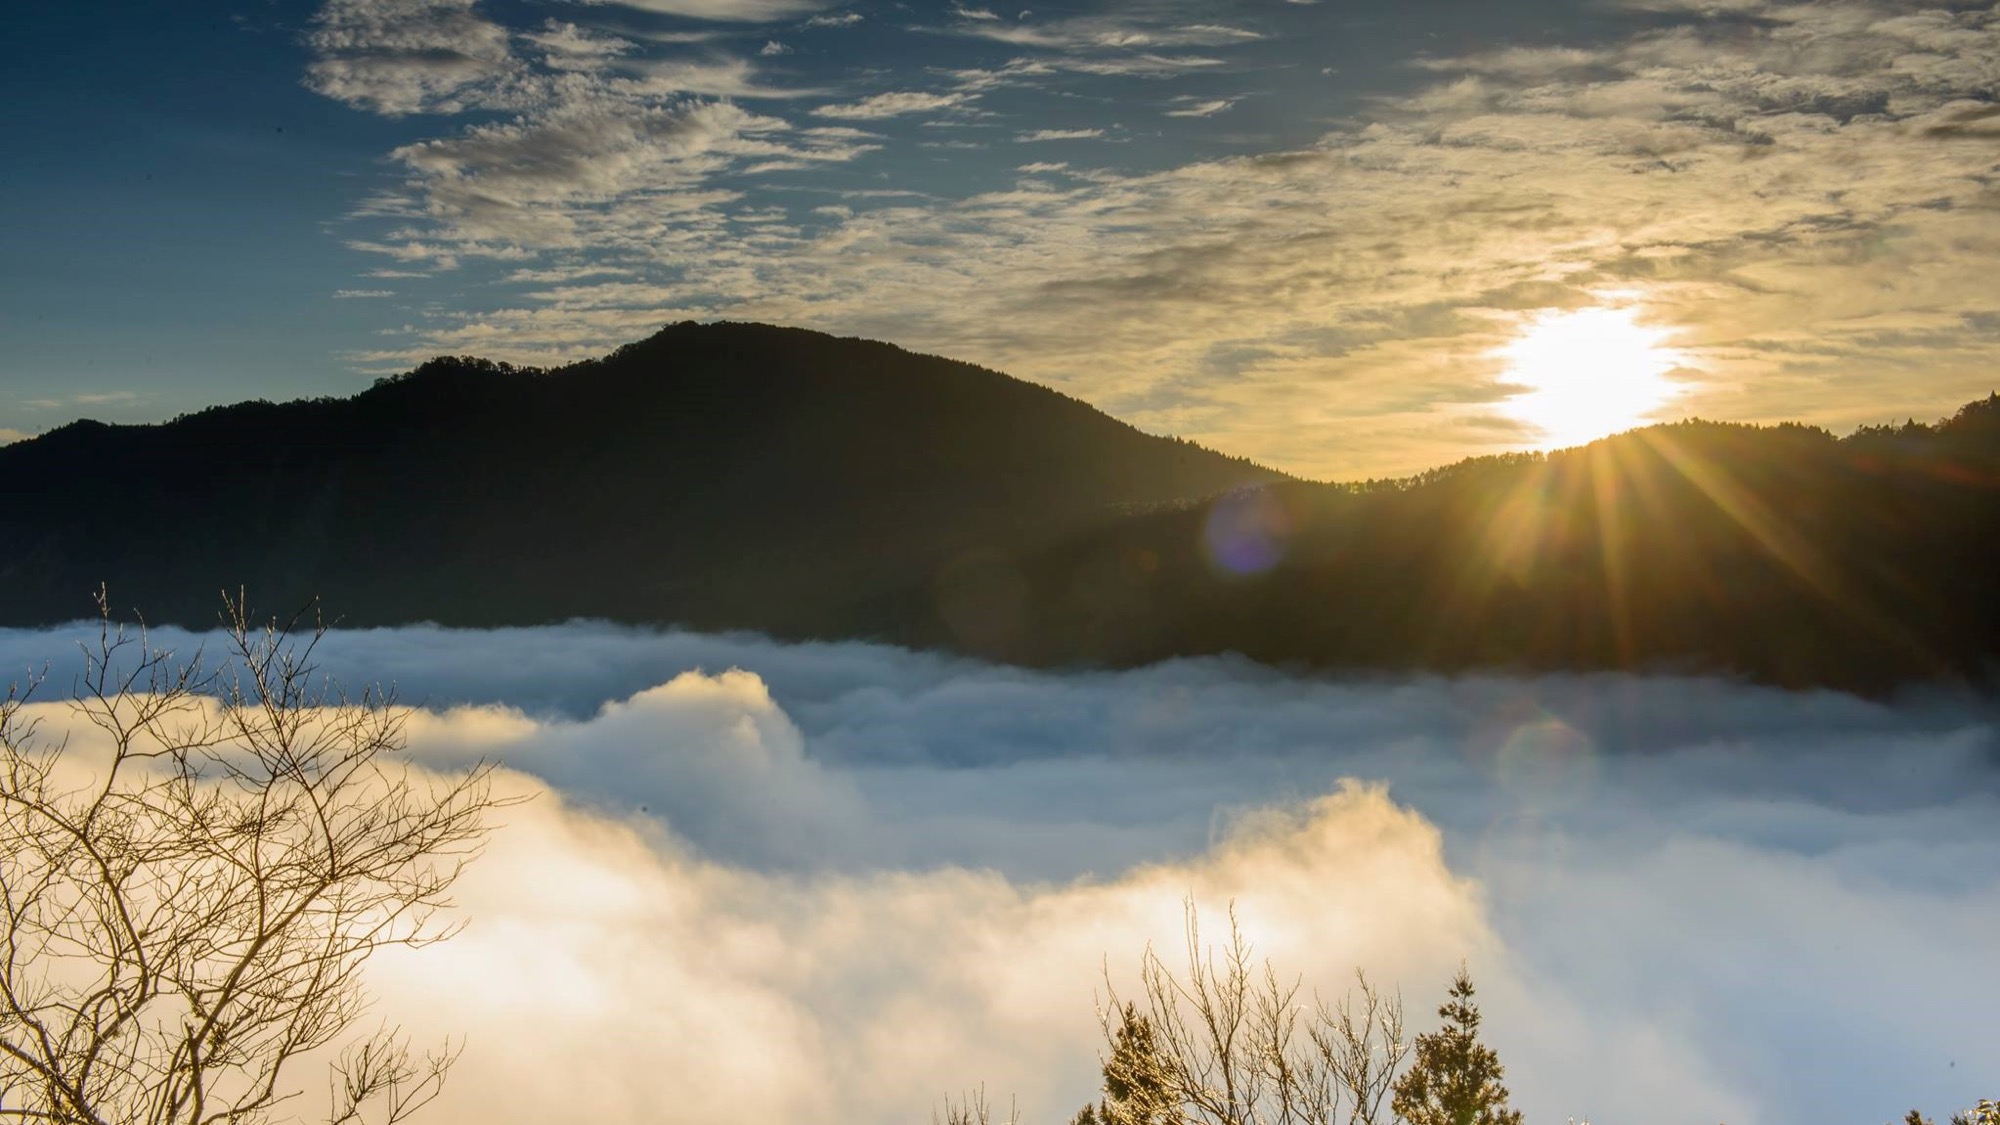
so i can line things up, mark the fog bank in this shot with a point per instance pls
(832, 882)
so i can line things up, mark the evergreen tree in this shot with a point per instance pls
(1987, 1112)
(1455, 1079)
(1137, 1090)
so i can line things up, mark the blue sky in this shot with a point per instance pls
(1305, 232)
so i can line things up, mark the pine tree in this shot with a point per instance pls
(1455, 1080)
(1136, 1086)
(1987, 1112)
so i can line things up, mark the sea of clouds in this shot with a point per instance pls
(834, 882)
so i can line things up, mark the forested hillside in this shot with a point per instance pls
(742, 476)
(1782, 553)
(725, 475)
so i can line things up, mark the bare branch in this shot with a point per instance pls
(187, 906)
(1227, 1041)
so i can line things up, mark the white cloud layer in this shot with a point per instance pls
(843, 880)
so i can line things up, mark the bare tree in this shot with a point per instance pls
(972, 1109)
(189, 894)
(1228, 1042)
(1363, 1051)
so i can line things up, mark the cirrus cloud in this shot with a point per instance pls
(726, 11)
(893, 104)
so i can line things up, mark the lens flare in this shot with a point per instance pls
(1246, 532)
(1547, 762)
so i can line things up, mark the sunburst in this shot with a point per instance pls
(1590, 372)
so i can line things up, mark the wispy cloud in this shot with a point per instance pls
(714, 75)
(1059, 135)
(352, 294)
(893, 104)
(565, 46)
(82, 398)
(1194, 107)
(1102, 33)
(732, 11)
(1216, 33)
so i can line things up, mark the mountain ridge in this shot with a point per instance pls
(732, 476)
(697, 452)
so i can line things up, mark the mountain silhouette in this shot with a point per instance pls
(1780, 554)
(743, 476)
(716, 476)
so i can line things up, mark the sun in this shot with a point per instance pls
(1589, 372)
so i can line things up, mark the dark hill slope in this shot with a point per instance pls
(723, 475)
(744, 476)
(1782, 554)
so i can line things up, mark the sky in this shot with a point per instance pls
(1346, 239)
(837, 882)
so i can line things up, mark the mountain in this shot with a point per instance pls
(741, 476)
(1781, 554)
(723, 475)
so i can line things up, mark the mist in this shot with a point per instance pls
(837, 881)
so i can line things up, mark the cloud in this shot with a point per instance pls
(851, 878)
(892, 104)
(591, 125)
(83, 398)
(1708, 8)
(730, 11)
(1216, 33)
(351, 294)
(1059, 135)
(1102, 33)
(590, 151)
(837, 19)
(542, 180)
(1202, 108)
(566, 46)
(716, 76)
(397, 57)
(640, 982)
(1523, 62)
(1144, 65)
(9, 435)
(773, 47)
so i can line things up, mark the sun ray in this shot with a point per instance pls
(1785, 543)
